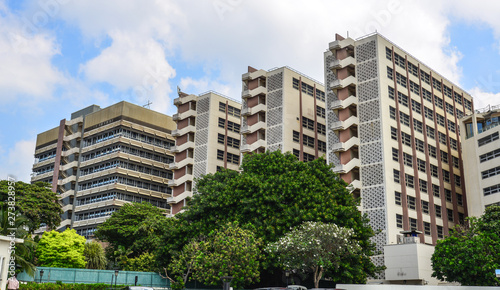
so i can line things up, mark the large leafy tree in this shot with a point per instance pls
(133, 230)
(274, 193)
(470, 254)
(35, 201)
(63, 250)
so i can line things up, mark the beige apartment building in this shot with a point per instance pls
(283, 109)
(393, 132)
(207, 138)
(101, 159)
(481, 151)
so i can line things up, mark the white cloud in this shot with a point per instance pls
(483, 99)
(198, 86)
(19, 161)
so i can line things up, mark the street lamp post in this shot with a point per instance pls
(226, 282)
(41, 275)
(116, 276)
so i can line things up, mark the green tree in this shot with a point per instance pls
(95, 256)
(35, 201)
(64, 250)
(273, 193)
(470, 254)
(315, 247)
(230, 251)
(137, 228)
(144, 263)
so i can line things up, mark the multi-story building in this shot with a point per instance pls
(207, 138)
(103, 158)
(283, 109)
(393, 130)
(481, 154)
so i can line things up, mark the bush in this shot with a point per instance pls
(58, 286)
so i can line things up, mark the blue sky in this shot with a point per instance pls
(58, 56)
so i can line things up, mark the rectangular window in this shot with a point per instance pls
(447, 194)
(307, 157)
(446, 175)
(413, 69)
(391, 93)
(438, 101)
(402, 80)
(427, 228)
(425, 207)
(321, 146)
(233, 158)
(404, 119)
(411, 202)
(406, 139)
(489, 156)
(320, 112)
(422, 184)
(460, 200)
(415, 88)
(296, 153)
(421, 165)
(436, 84)
(394, 133)
(431, 133)
(296, 136)
(409, 181)
(488, 139)
(451, 126)
(403, 99)
(491, 190)
(392, 112)
(220, 138)
(418, 126)
(456, 162)
(296, 83)
(449, 109)
(453, 144)
(461, 218)
(427, 95)
(396, 176)
(416, 107)
(450, 214)
(308, 141)
(222, 107)
(407, 159)
(419, 145)
(397, 198)
(435, 190)
(429, 114)
(440, 119)
(320, 95)
(434, 170)
(388, 53)
(233, 142)
(425, 77)
(440, 232)
(395, 154)
(222, 123)
(490, 172)
(444, 156)
(390, 73)
(413, 224)
(457, 179)
(321, 128)
(307, 123)
(232, 111)
(399, 221)
(220, 155)
(432, 150)
(400, 61)
(442, 138)
(438, 210)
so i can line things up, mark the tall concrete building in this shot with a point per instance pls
(207, 138)
(104, 158)
(283, 109)
(480, 133)
(393, 131)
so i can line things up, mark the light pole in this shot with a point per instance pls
(41, 275)
(287, 273)
(116, 276)
(226, 282)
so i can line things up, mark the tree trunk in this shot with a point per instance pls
(317, 276)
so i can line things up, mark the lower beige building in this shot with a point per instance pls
(480, 134)
(101, 159)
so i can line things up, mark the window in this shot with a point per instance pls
(404, 119)
(396, 176)
(427, 95)
(488, 139)
(490, 172)
(399, 221)
(222, 107)
(425, 206)
(409, 181)
(232, 111)
(431, 133)
(451, 126)
(308, 141)
(427, 228)
(413, 224)
(425, 77)
(391, 93)
(436, 84)
(419, 145)
(388, 53)
(460, 114)
(490, 155)
(411, 202)
(438, 210)
(461, 218)
(444, 156)
(392, 112)
(320, 112)
(416, 107)
(435, 190)
(321, 128)
(307, 157)
(222, 123)
(491, 190)
(320, 95)
(296, 83)
(321, 146)
(432, 150)
(442, 138)
(422, 184)
(460, 200)
(434, 170)
(453, 144)
(390, 73)
(440, 119)
(220, 155)
(429, 114)
(418, 126)
(456, 162)
(395, 154)
(458, 181)
(450, 214)
(296, 153)
(296, 136)
(440, 232)
(468, 104)
(439, 102)
(447, 91)
(233, 142)
(220, 138)
(421, 165)
(447, 194)
(233, 158)
(407, 159)
(449, 109)
(446, 175)
(307, 123)
(403, 99)
(413, 69)
(415, 88)
(400, 61)
(397, 197)
(401, 79)
(394, 133)
(406, 139)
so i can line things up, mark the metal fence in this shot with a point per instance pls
(87, 276)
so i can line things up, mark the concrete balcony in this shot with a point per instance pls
(183, 131)
(94, 221)
(74, 150)
(182, 163)
(184, 115)
(344, 83)
(355, 184)
(42, 176)
(254, 110)
(100, 204)
(254, 75)
(344, 168)
(344, 146)
(179, 198)
(67, 207)
(342, 63)
(340, 44)
(179, 181)
(68, 179)
(74, 121)
(342, 104)
(255, 127)
(46, 148)
(72, 164)
(254, 146)
(73, 136)
(66, 194)
(342, 125)
(182, 147)
(183, 100)
(255, 92)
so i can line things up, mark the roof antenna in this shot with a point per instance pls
(147, 105)
(347, 33)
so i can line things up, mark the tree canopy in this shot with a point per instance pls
(95, 256)
(63, 250)
(36, 202)
(273, 193)
(470, 254)
(316, 247)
